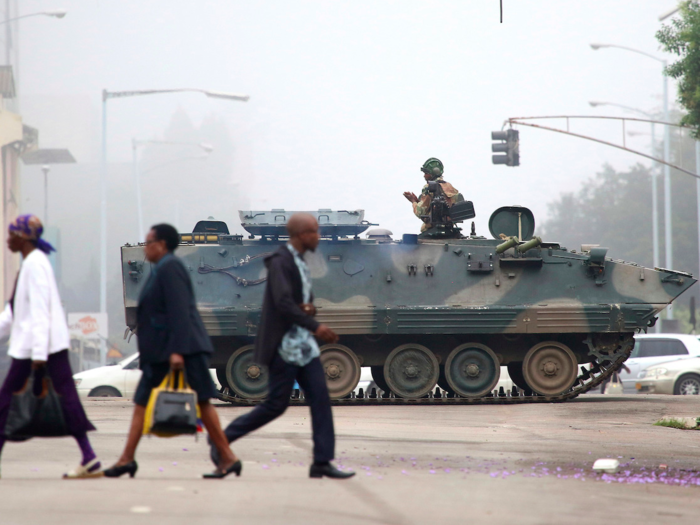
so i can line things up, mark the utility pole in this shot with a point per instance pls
(668, 226)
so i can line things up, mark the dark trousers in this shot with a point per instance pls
(312, 381)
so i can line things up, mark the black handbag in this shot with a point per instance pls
(35, 416)
(174, 407)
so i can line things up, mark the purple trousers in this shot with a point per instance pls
(58, 369)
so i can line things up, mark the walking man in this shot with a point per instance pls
(285, 344)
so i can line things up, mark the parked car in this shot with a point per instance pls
(677, 377)
(653, 349)
(118, 380)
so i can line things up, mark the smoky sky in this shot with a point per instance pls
(348, 98)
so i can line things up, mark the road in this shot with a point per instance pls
(527, 464)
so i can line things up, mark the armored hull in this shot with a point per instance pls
(427, 311)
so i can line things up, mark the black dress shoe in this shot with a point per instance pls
(119, 470)
(219, 474)
(328, 470)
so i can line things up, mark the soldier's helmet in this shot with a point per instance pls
(433, 167)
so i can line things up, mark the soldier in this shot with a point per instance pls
(432, 171)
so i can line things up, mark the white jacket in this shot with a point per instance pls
(37, 327)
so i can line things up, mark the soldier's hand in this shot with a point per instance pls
(325, 334)
(410, 196)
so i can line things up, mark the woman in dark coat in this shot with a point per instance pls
(171, 335)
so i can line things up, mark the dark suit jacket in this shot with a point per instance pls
(167, 318)
(280, 308)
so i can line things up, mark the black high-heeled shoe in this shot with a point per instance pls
(218, 474)
(116, 471)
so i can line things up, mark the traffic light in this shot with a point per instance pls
(509, 143)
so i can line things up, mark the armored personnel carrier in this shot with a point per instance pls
(433, 309)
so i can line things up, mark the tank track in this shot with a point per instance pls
(586, 381)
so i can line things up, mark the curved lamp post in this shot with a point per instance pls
(59, 13)
(106, 95)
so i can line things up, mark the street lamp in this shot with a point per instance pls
(668, 227)
(106, 95)
(206, 148)
(58, 13)
(669, 13)
(654, 194)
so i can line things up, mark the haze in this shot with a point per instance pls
(347, 101)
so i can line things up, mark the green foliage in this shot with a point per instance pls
(614, 209)
(611, 209)
(673, 423)
(682, 38)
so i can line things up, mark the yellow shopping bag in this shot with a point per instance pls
(172, 408)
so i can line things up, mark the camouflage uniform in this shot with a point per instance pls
(422, 207)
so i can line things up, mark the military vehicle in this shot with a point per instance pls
(437, 308)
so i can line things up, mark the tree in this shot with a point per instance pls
(682, 38)
(611, 209)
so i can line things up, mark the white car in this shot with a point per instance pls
(118, 380)
(652, 349)
(680, 377)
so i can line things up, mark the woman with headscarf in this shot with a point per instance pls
(35, 321)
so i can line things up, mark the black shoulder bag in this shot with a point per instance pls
(35, 416)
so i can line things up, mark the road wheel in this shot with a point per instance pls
(342, 368)
(411, 371)
(687, 385)
(104, 391)
(472, 370)
(550, 368)
(246, 378)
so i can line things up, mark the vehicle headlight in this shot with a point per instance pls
(654, 373)
(77, 381)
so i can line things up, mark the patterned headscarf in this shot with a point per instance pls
(29, 227)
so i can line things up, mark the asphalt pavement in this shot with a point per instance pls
(521, 464)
